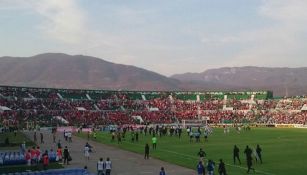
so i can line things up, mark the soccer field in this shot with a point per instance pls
(284, 151)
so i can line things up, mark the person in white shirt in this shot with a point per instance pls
(69, 136)
(101, 167)
(87, 152)
(108, 166)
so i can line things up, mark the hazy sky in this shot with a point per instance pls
(166, 36)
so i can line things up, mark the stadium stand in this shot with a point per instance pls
(102, 107)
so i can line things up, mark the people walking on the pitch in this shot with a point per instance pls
(54, 137)
(162, 171)
(42, 138)
(69, 136)
(66, 155)
(236, 152)
(154, 142)
(108, 166)
(200, 168)
(210, 167)
(258, 151)
(34, 137)
(119, 137)
(248, 152)
(201, 154)
(146, 151)
(87, 152)
(222, 168)
(101, 167)
(137, 136)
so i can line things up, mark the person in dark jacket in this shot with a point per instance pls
(236, 153)
(258, 150)
(248, 152)
(222, 168)
(146, 151)
(200, 168)
(162, 171)
(66, 155)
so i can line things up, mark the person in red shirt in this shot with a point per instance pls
(38, 154)
(59, 154)
(33, 155)
(28, 157)
(45, 160)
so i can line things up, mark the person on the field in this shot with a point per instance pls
(200, 168)
(255, 155)
(146, 151)
(87, 152)
(66, 155)
(259, 150)
(100, 167)
(35, 137)
(137, 136)
(191, 136)
(145, 130)
(206, 135)
(108, 166)
(154, 142)
(222, 168)
(179, 132)
(162, 171)
(95, 135)
(132, 136)
(248, 152)
(42, 138)
(236, 153)
(210, 167)
(201, 154)
(119, 138)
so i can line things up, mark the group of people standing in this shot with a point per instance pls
(250, 154)
(104, 167)
(210, 166)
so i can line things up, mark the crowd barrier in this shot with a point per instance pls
(18, 158)
(67, 171)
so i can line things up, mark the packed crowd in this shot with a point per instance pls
(81, 107)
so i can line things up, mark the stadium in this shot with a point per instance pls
(180, 87)
(226, 118)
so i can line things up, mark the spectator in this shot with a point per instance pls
(45, 160)
(210, 167)
(162, 171)
(28, 157)
(222, 168)
(200, 168)
(146, 151)
(108, 166)
(100, 167)
(154, 142)
(66, 155)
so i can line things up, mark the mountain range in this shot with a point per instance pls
(57, 70)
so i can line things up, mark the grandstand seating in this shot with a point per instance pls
(117, 107)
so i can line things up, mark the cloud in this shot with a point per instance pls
(62, 20)
(277, 44)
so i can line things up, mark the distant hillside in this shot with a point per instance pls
(65, 71)
(56, 70)
(283, 81)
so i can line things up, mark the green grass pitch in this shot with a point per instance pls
(284, 150)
